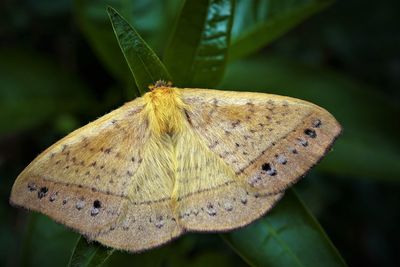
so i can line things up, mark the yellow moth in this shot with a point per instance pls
(176, 160)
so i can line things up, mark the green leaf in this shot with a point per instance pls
(46, 243)
(34, 90)
(257, 23)
(358, 153)
(369, 134)
(151, 18)
(144, 64)
(288, 236)
(197, 52)
(89, 254)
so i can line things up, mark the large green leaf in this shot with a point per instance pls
(35, 90)
(260, 22)
(197, 52)
(288, 236)
(368, 146)
(46, 243)
(149, 17)
(144, 64)
(89, 254)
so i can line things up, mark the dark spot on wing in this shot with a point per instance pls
(42, 192)
(235, 123)
(303, 142)
(317, 123)
(80, 204)
(96, 208)
(269, 169)
(53, 197)
(97, 204)
(211, 210)
(310, 132)
(266, 167)
(32, 186)
(281, 159)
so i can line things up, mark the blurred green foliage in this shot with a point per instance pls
(60, 66)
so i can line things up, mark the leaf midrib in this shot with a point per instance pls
(281, 242)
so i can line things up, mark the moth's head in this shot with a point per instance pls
(160, 84)
(160, 90)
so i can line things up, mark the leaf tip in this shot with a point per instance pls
(111, 10)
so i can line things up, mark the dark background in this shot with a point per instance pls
(345, 58)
